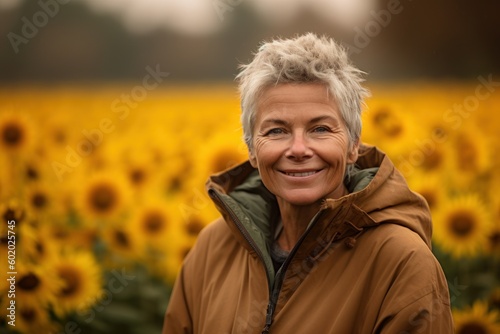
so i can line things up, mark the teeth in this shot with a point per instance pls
(301, 174)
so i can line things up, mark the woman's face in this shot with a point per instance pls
(301, 144)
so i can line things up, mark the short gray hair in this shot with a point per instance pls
(303, 59)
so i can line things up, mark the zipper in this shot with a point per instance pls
(278, 282)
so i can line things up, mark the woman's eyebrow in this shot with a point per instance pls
(318, 119)
(275, 121)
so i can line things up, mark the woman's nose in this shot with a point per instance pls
(299, 148)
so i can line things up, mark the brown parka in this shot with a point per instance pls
(364, 264)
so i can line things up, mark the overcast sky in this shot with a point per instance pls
(201, 17)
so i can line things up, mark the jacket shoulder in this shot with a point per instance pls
(214, 240)
(402, 248)
(407, 261)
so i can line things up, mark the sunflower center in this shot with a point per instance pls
(175, 184)
(12, 135)
(137, 176)
(439, 132)
(433, 161)
(122, 238)
(60, 233)
(194, 226)
(28, 315)
(472, 328)
(387, 122)
(40, 248)
(462, 223)
(32, 173)
(71, 280)
(29, 282)
(12, 214)
(103, 198)
(154, 222)
(9, 214)
(59, 136)
(39, 200)
(495, 240)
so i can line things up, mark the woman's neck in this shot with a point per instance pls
(295, 219)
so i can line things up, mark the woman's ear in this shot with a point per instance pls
(352, 156)
(252, 158)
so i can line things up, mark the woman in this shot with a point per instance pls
(319, 233)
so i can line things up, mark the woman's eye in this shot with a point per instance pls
(321, 129)
(275, 131)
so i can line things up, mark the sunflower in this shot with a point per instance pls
(154, 221)
(471, 157)
(57, 132)
(31, 170)
(81, 282)
(194, 224)
(40, 200)
(12, 210)
(436, 155)
(462, 225)
(140, 169)
(476, 319)
(16, 133)
(195, 210)
(53, 235)
(138, 174)
(175, 177)
(104, 196)
(220, 153)
(123, 243)
(37, 243)
(167, 261)
(429, 186)
(387, 126)
(32, 318)
(35, 285)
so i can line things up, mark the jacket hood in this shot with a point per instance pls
(378, 195)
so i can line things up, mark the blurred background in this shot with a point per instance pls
(114, 113)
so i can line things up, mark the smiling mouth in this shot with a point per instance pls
(301, 174)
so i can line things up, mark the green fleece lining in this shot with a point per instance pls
(360, 178)
(259, 233)
(256, 208)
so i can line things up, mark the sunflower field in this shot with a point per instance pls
(102, 194)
